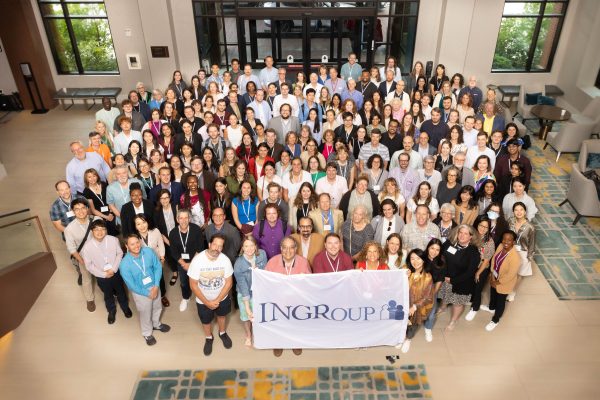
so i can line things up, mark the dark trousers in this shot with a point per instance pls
(110, 287)
(186, 291)
(163, 288)
(476, 298)
(497, 304)
(169, 260)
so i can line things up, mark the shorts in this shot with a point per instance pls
(207, 315)
(243, 315)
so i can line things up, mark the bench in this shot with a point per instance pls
(86, 94)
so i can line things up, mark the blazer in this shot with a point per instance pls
(278, 86)
(338, 220)
(208, 180)
(128, 214)
(155, 242)
(159, 220)
(507, 276)
(383, 90)
(498, 124)
(431, 150)
(468, 217)
(340, 132)
(345, 202)
(275, 123)
(315, 246)
(176, 192)
(379, 225)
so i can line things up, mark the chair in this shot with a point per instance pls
(570, 137)
(582, 195)
(591, 113)
(524, 110)
(509, 118)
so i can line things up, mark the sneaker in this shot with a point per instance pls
(164, 328)
(128, 313)
(511, 296)
(428, 335)
(111, 317)
(150, 341)
(79, 280)
(91, 306)
(208, 346)
(277, 352)
(405, 346)
(297, 351)
(227, 343)
(486, 308)
(470, 315)
(183, 305)
(491, 326)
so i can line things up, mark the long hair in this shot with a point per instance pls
(313, 199)
(362, 255)
(187, 200)
(422, 255)
(438, 262)
(472, 201)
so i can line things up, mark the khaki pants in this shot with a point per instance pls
(149, 311)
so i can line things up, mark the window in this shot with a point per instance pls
(79, 36)
(528, 35)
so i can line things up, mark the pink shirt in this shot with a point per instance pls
(300, 266)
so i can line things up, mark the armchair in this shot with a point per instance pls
(525, 109)
(570, 137)
(582, 195)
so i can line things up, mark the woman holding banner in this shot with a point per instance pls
(371, 257)
(420, 287)
(251, 257)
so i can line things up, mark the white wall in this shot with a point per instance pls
(7, 81)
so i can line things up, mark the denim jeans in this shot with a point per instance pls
(431, 319)
(186, 291)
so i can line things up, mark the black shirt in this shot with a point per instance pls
(190, 243)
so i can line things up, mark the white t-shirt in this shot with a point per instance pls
(294, 187)
(335, 190)
(210, 274)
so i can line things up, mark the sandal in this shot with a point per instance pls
(173, 280)
(248, 342)
(165, 302)
(451, 326)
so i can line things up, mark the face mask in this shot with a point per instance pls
(492, 215)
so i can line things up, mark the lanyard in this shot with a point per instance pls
(326, 221)
(343, 171)
(378, 179)
(143, 267)
(178, 87)
(220, 203)
(148, 185)
(125, 195)
(99, 196)
(499, 260)
(184, 243)
(305, 213)
(154, 126)
(246, 213)
(288, 271)
(364, 87)
(65, 204)
(314, 179)
(337, 264)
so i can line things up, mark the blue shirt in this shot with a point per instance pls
(351, 71)
(76, 170)
(246, 209)
(354, 95)
(135, 269)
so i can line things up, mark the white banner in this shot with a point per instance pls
(334, 310)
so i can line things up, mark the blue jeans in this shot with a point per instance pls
(431, 319)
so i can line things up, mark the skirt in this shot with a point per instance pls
(243, 315)
(449, 297)
(525, 268)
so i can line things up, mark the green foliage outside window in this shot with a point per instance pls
(80, 38)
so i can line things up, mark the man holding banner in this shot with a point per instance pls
(332, 259)
(289, 263)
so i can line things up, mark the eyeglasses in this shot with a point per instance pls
(389, 226)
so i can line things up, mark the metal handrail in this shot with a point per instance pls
(14, 213)
(39, 224)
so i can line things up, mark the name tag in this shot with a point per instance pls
(327, 227)
(169, 156)
(495, 273)
(146, 280)
(222, 127)
(518, 247)
(70, 214)
(452, 250)
(107, 267)
(376, 188)
(443, 239)
(185, 256)
(104, 209)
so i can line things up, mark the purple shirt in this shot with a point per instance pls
(271, 237)
(408, 181)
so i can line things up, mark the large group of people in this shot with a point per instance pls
(358, 169)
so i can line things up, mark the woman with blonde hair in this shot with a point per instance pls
(371, 257)
(391, 190)
(229, 161)
(356, 230)
(395, 255)
(106, 136)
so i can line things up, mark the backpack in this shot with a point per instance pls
(261, 229)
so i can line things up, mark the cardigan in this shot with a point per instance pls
(461, 267)
(345, 202)
(316, 244)
(507, 276)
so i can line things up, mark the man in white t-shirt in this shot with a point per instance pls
(479, 150)
(210, 275)
(470, 133)
(333, 184)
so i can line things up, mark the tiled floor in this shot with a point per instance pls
(544, 348)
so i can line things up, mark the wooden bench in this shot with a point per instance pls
(86, 94)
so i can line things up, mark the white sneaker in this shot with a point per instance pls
(428, 335)
(486, 308)
(491, 326)
(183, 305)
(470, 315)
(399, 345)
(511, 296)
(405, 346)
